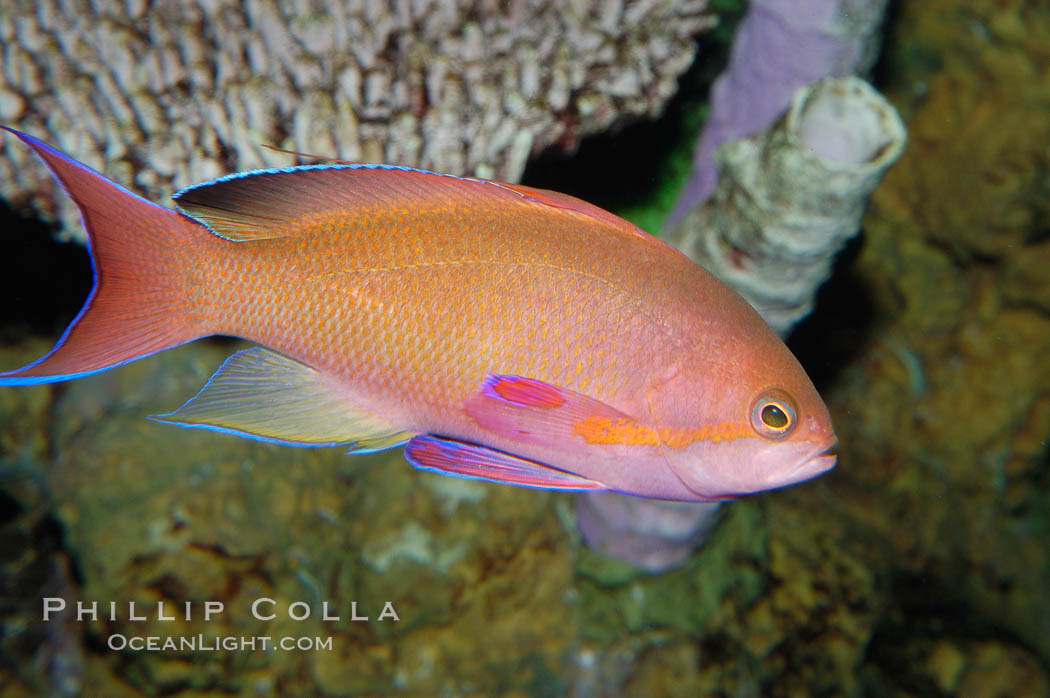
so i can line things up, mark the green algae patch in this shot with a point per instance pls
(23, 411)
(395, 581)
(616, 598)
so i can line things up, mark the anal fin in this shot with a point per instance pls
(260, 394)
(475, 462)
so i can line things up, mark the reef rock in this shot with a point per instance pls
(943, 412)
(476, 574)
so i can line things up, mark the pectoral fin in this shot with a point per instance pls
(475, 462)
(260, 394)
(530, 410)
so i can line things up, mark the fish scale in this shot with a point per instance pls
(446, 287)
(505, 333)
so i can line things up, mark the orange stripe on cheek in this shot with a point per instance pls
(603, 430)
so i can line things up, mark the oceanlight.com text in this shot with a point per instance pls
(229, 643)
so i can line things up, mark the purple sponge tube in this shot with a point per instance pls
(780, 46)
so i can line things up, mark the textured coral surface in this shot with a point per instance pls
(162, 95)
(918, 567)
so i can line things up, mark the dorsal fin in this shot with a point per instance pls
(267, 204)
(310, 156)
(571, 203)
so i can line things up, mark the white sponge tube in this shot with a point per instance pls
(787, 200)
(789, 197)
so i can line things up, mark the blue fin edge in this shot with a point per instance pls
(5, 377)
(160, 419)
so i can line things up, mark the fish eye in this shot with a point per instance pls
(774, 414)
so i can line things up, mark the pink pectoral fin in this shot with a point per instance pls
(475, 462)
(530, 410)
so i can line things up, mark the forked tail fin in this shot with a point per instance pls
(139, 252)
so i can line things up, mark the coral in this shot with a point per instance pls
(790, 196)
(918, 567)
(171, 95)
(656, 536)
(788, 199)
(997, 670)
(770, 239)
(32, 561)
(779, 47)
(779, 600)
(991, 102)
(476, 574)
(946, 399)
(1026, 281)
(23, 412)
(932, 568)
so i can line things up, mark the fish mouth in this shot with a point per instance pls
(818, 461)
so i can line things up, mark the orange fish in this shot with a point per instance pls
(503, 333)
